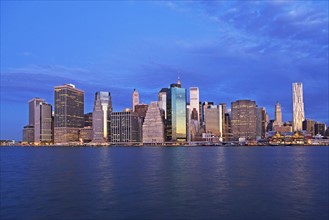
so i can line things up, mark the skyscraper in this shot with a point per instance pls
(319, 128)
(101, 117)
(162, 100)
(176, 113)
(278, 116)
(69, 113)
(153, 127)
(297, 106)
(125, 127)
(135, 99)
(33, 103)
(243, 119)
(260, 123)
(194, 102)
(213, 117)
(308, 125)
(40, 119)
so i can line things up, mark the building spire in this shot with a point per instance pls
(178, 81)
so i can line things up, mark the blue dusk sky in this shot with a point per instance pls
(229, 49)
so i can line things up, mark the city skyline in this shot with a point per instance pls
(229, 54)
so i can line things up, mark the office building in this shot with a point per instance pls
(141, 110)
(319, 128)
(40, 120)
(101, 117)
(125, 127)
(308, 126)
(176, 113)
(153, 126)
(227, 130)
(88, 119)
(278, 116)
(260, 123)
(297, 106)
(135, 99)
(243, 113)
(69, 113)
(28, 134)
(203, 108)
(194, 103)
(214, 120)
(162, 100)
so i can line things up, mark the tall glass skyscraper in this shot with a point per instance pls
(101, 117)
(297, 106)
(176, 113)
(69, 113)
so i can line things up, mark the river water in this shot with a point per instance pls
(164, 182)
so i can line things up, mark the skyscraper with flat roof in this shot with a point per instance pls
(243, 119)
(69, 113)
(298, 115)
(213, 117)
(162, 101)
(308, 126)
(101, 117)
(125, 127)
(194, 102)
(40, 119)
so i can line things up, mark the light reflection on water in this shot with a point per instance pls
(164, 183)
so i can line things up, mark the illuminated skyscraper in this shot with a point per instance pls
(101, 117)
(176, 113)
(297, 106)
(243, 119)
(69, 113)
(135, 99)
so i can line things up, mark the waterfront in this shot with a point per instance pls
(164, 183)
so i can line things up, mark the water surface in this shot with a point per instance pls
(164, 183)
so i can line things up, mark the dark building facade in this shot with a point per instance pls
(260, 123)
(308, 125)
(320, 128)
(88, 119)
(125, 127)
